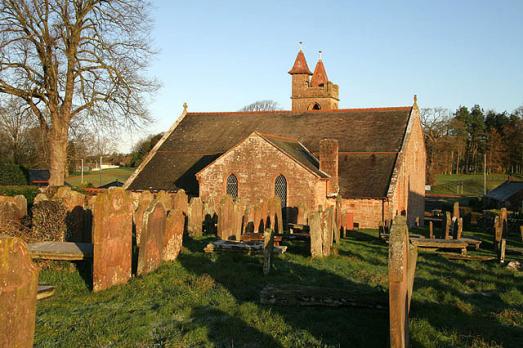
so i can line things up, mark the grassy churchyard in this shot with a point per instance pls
(467, 184)
(213, 300)
(97, 178)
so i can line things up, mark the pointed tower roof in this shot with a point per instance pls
(320, 75)
(300, 65)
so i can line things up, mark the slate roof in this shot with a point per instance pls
(369, 142)
(505, 191)
(294, 149)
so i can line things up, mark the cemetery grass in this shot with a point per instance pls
(108, 175)
(213, 300)
(472, 183)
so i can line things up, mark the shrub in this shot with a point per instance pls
(12, 174)
(29, 192)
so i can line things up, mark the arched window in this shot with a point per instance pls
(280, 189)
(232, 186)
(315, 106)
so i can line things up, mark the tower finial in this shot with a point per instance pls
(320, 54)
(185, 106)
(300, 45)
(415, 99)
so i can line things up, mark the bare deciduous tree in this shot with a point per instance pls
(262, 105)
(15, 124)
(70, 59)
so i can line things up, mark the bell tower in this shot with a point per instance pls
(312, 94)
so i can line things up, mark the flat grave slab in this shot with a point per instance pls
(426, 243)
(44, 291)
(62, 251)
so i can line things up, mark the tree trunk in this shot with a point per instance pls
(58, 135)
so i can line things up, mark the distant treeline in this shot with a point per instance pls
(458, 142)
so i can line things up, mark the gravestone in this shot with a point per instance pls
(210, 216)
(166, 198)
(431, 230)
(327, 230)
(402, 266)
(173, 235)
(502, 248)
(460, 228)
(195, 217)
(144, 201)
(18, 290)
(257, 217)
(498, 232)
(181, 201)
(315, 232)
(455, 210)
(238, 214)
(302, 214)
(226, 218)
(268, 244)
(20, 202)
(75, 221)
(9, 213)
(447, 223)
(112, 238)
(151, 242)
(339, 214)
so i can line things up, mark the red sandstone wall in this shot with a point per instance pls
(256, 164)
(410, 190)
(367, 212)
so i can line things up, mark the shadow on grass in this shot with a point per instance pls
(242, 276)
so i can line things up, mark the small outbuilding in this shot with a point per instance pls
(507, 195)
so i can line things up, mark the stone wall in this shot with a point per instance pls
(367, 213)
(256, 164)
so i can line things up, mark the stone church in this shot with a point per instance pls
(371, 158)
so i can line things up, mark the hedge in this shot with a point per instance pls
(29, 192)
(12, 174)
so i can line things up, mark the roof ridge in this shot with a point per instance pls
(385, 108)
(278, 136)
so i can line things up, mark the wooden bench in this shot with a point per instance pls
(61, 251)
(426, 243)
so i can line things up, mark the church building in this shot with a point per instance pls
(373, 159)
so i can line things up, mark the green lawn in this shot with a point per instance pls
(472, 183)
(213, 301)
(106, 176)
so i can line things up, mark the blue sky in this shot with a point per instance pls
(222, 55)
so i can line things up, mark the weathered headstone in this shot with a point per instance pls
(498, 232)
(268, 243)
(316, 232)
(152, 240)
(19, 201)
(431, 230)
(112, 238)
(74, 203)
(257, 216)
(165, 198)
(276, 216)
(402, 265)
(460, 228)
(195, 217)
(9, 213)
(302, 214)
(447, 224)
(210, 216)
(455, 210)
(339, 214)
(521, 232)
(181, 201)
(173, 235)
(225, 218)
(237, 220)
(144, 201)
(18, 290)
(327, 231)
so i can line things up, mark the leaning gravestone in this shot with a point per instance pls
(173, 235)
(167, 199)
(315, 232)
(18, 289)
(195, 217)
(268, 244)
(20, 202)
(112, 238)
(327, 231)
(238, 214)
(276, 215)
(151, 242)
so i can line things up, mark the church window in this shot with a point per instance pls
(280, 189)
(232, 186)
